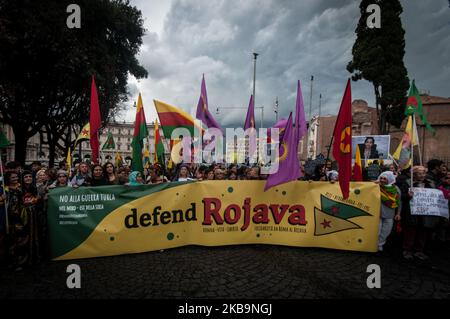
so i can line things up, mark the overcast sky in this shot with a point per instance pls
(295, 39)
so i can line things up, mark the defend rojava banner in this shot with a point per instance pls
(114, 220)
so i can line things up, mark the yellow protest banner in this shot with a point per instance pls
(105, 221)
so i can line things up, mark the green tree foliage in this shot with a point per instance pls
(378, 58)
(46, 67)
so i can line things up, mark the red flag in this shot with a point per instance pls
(342, 145)
(95, 122)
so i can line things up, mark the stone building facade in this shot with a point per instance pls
(437, 146)
(122, 133)
(321, 131)
(436, 109)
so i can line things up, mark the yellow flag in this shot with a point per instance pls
(146, 158)
(405, 148)
(118, 159)
(85, 134)
(357, 168)
(69, 161)
(175, 153)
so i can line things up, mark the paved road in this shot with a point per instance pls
(247, 271)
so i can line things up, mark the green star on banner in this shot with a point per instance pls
(328, 224)
(339, 209)
(333, 216)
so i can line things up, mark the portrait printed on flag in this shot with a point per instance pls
(371, 146)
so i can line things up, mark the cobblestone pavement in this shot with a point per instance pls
(246, 271)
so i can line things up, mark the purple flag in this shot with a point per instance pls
(203, 113)
(288, 167)
(250, 119)
(280, 125)
(300, 122)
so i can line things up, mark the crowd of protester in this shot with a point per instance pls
(26, 193)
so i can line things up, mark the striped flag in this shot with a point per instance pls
(172, 117)
(140, 133)
(159, 147)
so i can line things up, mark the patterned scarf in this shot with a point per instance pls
(390, 196)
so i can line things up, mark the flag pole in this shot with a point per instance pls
(412, 150)
(80, 157)
(4, 193)
(393, 159)
(329, 148)
(417, 139)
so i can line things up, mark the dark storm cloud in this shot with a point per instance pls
(295, 39)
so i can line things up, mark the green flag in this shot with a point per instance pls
(333, 216)
(140, 133)
(159, 147)
(414, 105)
(340, 210)
(3, 140)
(109, 144)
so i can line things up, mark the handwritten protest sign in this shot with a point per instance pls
(430, 202)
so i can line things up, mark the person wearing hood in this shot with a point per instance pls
(135, 179)
(390, 206)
